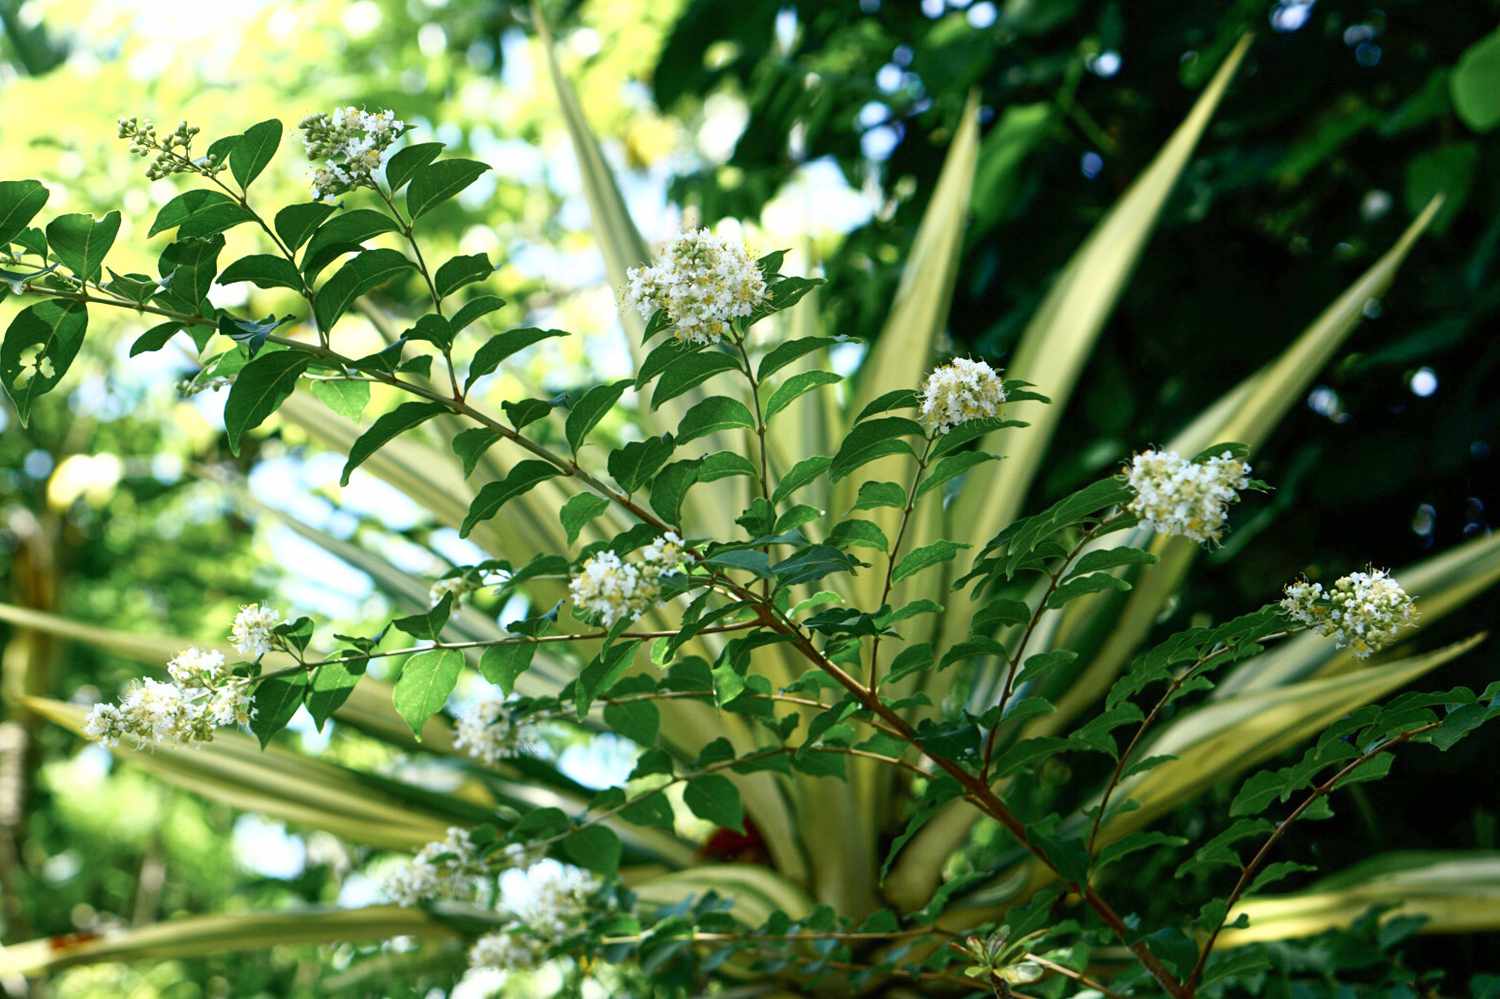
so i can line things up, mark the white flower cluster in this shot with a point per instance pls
(202, 696)
(1364, 611)
(348, 146)
(702, 282)
(610, 589)
(960, 391)
(560, 897)
(1191, 499)
(449, 868)
(488, 733)
(251, 633)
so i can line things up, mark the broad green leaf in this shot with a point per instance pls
(473, 310)
(523, 476)
(592, 407)
(801, 474)
(470, 445)
(276, 700)
(670, 488)
(187, 268)
(795, 386)
(870, 440)
(712, 415)
(81, 243)
(497, 348)
(594, 848)
(346, 398)
(435, 183)
(578, 511)
(638, 721)
(715, 799)
(259, 390)
(405, 163)
(344, 233)
(254, 150)
(295, 223)
(950, 467)
(331, 686)
(787, 351)
(603, 672)
(200, 213)
(1475, 84)
(873, 495)
(38, 349)
(264, 270)
(20, 200)
(689, 371)
(368, 270)
(461, 270)
(427, 678)
(155, 338)
(503, 664)
(404, 417)
(922, 558)
(633, 465)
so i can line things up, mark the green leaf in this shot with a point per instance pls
(632, 465)
(426, 680)
(38, 349)
(1273, 873)
(1134, 843)
(524, 412)
(408, 161)
(264, 270)
(715, 799)
(275, 700)
(670, 487)
(638, 721)
(578, 511)
(251, 333)
(295, 223)
(689, 371)
(259, 390)
(592, 407)
(20, 200)
(602, 673)
(858, 533)
(812, 564)
(877, 494)
(797, 385)
(346, 398)
(788, 351)
(331, 686)
(254, 150)
(460, 271)
(344, 233)
(801, 474)
(435, 183)
(474, 309)
(1475, 84)
(187, 268)
(404, 417)
(200, 213)
(495, 350)
(951, 467)
(522, 477)
(912, 659)
(155, 338)
(743, 559)
(470, 445)
(711, 416)
(922, 558)
(594, 848)
(873, 439)
(81, 243)
(427, 625)
(723, 465)
(1081, 585)
(1109, 558)
(901, 398)
(503, 664)
(365, 272)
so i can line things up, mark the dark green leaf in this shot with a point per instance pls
(344, 233)
(689, 371)
(200, 213)
(295, 223)
(38, 349)
(712, 415)
(801, 474)
(522, 477)
(331, 686)
(275, 700)
(928, 555)
(495, 350)
(877, 494)
(435, 183)
(951, 467)
(259, 390)
(20, 200)
(408, 161)
(470, 445)
(391, 425)
(638, 721)
(473, 310)
(715, 799)
(632, 465)
(797, 385)
(264, 270)
(81, 243)
(461, 271)
(895, 399)
(365, 272)
(670, 487)
(870, 440)
(503, 664)
(594, 848)
(602, 673)
(155, 338)
(592, 407)
(254, 150)
(788, 351)
(187, 268)
(578, 511)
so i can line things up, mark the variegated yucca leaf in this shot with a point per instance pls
(212, 935)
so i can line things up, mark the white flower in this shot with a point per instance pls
(456, 585)
(347, 147)
(448, 868)
(1176, 496)
(1364, 611)
(506, 950)
(960, 391)
(610, 589)
(196, 668)
(251, 633)
(702, 282)
(488, 733)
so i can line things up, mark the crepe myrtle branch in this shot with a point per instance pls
(1247, 875)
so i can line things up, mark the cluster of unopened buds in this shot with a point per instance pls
(172, 154)
(702, 282)
(461, 583)
(347, 147)
(610, 589)
(1363, 611)
(202, 695)
(1189, 499)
